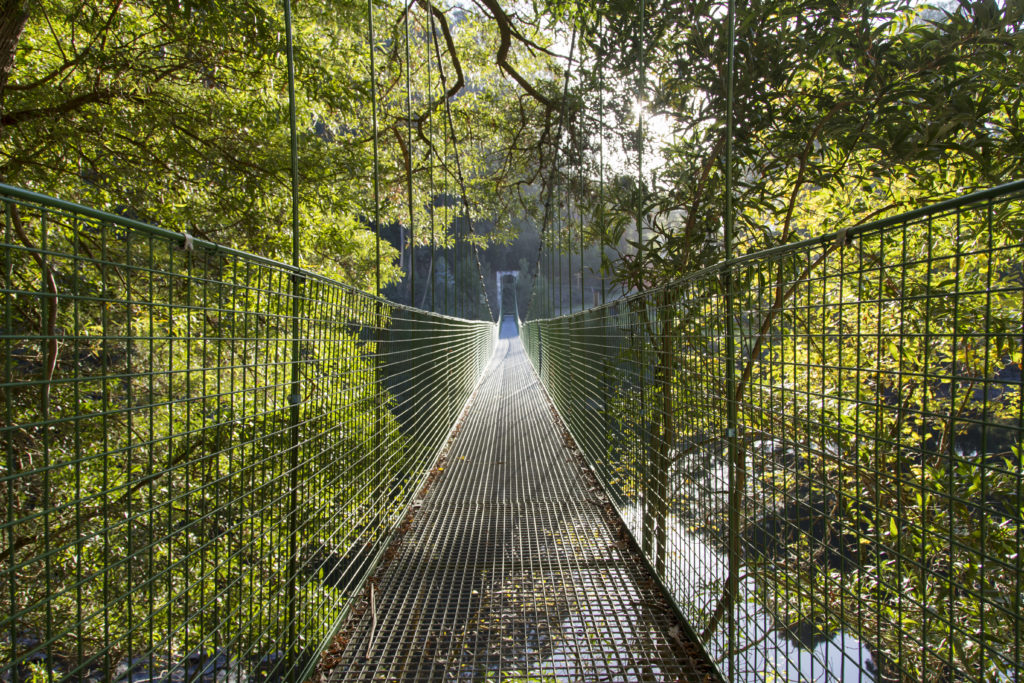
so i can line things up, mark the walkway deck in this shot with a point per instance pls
(510, 570)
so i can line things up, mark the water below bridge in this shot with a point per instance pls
(513, 568)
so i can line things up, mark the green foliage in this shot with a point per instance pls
(903, 380)
(154, 508)
(878, 360)
(878, 472)
(859, 109)
(178, 115)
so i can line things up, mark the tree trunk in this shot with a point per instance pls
(12, 22)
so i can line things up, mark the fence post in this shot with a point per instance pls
(736, 458)
(294, 396)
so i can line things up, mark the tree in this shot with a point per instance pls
(177, 114)
(828, 96)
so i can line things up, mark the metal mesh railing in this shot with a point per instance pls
(860, 516)
(173, 510)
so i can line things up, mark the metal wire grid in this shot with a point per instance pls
(509, 571)
(876, 492)
(159, 524)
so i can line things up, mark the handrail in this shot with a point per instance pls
(186, 240)
(842, 235)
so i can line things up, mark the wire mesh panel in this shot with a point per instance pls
(860, 518)
(168, 516)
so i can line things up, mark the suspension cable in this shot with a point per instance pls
(579, 210)
(460, 179)
(600, 136)
(430, 163)
(568, 233)
(444, 168)
(642, 87)
(408, 158)
(376, 144)
(737, 465)
(444, 163)
(558, 254)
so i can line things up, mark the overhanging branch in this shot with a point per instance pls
(506, 32)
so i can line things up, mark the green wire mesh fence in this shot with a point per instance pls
(168, 515)
(865, 522)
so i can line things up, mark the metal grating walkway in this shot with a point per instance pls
(510, 571)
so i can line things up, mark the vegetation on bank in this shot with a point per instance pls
(177, 114)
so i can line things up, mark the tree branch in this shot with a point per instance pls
(13, 16)
(23, 115)
(460, 78)
(506, 33)
(69, 62)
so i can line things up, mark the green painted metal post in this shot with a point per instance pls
(430, 164)
(641, 87)
(737, 465)
(294, 396)
(408, 159)
(376, 151)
